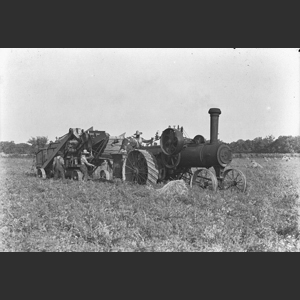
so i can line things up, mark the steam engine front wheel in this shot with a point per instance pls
(234, 180)
(187, 176)
(204, 179)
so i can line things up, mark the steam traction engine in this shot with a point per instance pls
(197, 162)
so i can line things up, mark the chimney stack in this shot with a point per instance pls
(214, 124)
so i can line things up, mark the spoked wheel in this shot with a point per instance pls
(204, 179)
(234, 180)
(140, 167)
(187, 176)
(41, 173)
(104, 174)
(171, 161)
(77, 175)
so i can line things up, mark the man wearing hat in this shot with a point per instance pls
(84, 164)
(59, 166)
(138, 138)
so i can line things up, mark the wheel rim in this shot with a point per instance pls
(204, 179)
(234, 180)
(41, 173)
(140, 167)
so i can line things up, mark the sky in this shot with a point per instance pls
(44, 92)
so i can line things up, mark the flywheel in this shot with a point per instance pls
(140, 167)
(171, 141)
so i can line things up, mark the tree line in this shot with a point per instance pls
(283, 144)
(32, 145)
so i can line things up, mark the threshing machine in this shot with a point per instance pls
(71, 145)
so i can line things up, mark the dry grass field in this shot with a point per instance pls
(46, 215)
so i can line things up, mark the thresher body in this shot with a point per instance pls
(43, 154)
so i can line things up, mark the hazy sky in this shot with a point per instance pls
(44, 92)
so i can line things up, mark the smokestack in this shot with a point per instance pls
(214, 124)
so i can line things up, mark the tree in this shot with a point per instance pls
(295, 143)
(7, 147)
(38, 142)
(247, 146)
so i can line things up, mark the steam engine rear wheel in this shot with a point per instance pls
(140, 167)
(204, 179)
(234, 180)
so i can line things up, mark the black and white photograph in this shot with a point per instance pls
(149, 150)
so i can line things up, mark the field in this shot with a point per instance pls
(46, 215)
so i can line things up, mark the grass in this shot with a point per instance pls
(47, 215)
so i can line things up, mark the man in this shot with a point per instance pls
(138, 138)
(59, 166)
(84, 164)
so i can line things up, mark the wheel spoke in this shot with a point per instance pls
(129, 168)
(230, 175)
(237, 175)
(130, 161)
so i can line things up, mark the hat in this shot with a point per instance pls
(137, 133)
(84, 152)
(59, 153)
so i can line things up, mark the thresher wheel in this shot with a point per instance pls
(104, 174)
(140, 167)
(234, 179)
(77, 175)
(41, 173)
(171, 161)
(205, 179)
